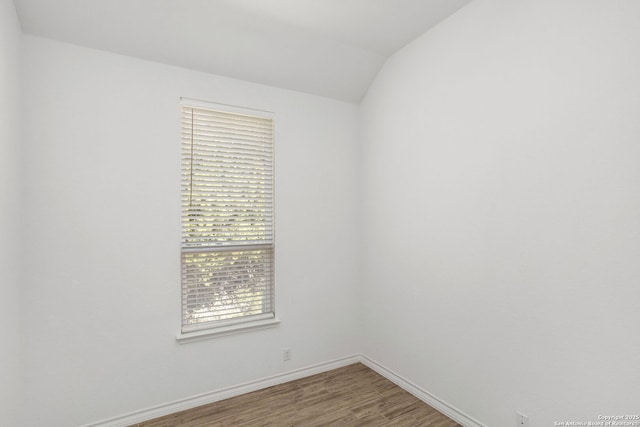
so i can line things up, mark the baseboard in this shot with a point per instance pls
(431, 400)
(214, 396)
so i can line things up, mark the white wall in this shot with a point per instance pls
(102, 221)
(10, 351)
(502, 210)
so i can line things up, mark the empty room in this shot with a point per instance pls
(319, 212)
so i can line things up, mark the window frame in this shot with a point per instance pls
(242, 323)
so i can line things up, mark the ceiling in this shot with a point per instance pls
(332, 48)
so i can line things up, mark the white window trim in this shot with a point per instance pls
(223, 331)
(256, 323)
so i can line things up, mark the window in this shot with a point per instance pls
(227, 217)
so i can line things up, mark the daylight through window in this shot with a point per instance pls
(227, 216)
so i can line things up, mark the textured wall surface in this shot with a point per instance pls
(103, 305)
(10, 236)
(501, 211)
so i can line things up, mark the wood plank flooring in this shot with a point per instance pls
(350, 396)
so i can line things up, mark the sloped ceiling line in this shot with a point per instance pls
(332, 48)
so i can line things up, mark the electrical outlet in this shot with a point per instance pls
(286, 354)
(522, 420)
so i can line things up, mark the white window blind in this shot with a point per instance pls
(227, 216)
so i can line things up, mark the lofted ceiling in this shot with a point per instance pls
(332, 48)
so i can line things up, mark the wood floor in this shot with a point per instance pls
(350, 396)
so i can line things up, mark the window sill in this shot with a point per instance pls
(205, 334)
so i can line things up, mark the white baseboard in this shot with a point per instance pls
(431, 400)
(214, 396)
